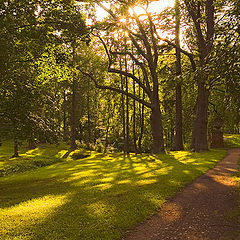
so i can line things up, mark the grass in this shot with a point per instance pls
(42, 156)
(232, 140)
(98, 197)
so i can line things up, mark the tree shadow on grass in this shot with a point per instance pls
(103, 195)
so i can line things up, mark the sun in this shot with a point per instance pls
(154, 7)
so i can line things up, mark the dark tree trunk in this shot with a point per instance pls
(141, 123)
(106, 135)
(123, 111)
(73, 116)
(88, 116)
(157, 130)
(156, 115)
(127, 111)
(31, 141)
(205, 43)
(134, 117)
(64, 117)
(74, 107)
(15, 147)
(178, 140)
(199, 135)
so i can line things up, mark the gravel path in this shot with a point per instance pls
(200, 211)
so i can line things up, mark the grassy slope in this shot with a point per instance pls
(98, 197)
(29, 159)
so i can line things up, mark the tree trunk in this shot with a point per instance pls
(74, 108)
(134, 116)
(141, 123)
(178, 139)
(31, 141)
(106, 135)
(15, 147)
(127, 111)
(64, 117)
(73, 116)
(157, 130)
(199, 135)
(123, 111)
(88, 116)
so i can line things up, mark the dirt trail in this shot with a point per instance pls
(200, 211)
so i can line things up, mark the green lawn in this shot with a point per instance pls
(98, 197)
(44, 155)
(232, 140)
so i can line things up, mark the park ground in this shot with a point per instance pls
(48, 194)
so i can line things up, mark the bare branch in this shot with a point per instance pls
(147, 89)
(147, 104)
(106, 49)
(137, 46)
(153, 30)
(145, 39)
(188, 54)
(196, 20)
(106, 9)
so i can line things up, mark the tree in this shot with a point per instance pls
(142, 35)
(178, 141)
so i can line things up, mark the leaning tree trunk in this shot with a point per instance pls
(199, 135)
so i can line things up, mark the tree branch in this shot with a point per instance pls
(196, 21)
(146, 88)
(147, 104)
(188, 54)
(210, 23)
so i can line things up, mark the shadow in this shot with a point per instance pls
(98, 197)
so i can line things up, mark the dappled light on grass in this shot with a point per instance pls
(44, 155)
(27, 214)
(106, 194)
(232, 140)
(100, 209)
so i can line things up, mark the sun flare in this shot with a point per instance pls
(154, 7)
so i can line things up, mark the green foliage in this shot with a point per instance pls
(99, 197)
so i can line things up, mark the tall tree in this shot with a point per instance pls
(178, 140)
(145, 55)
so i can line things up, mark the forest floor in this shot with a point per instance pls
(203, 210)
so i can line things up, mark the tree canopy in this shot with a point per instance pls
(136, 80)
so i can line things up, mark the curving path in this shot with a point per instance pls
(200, 211)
